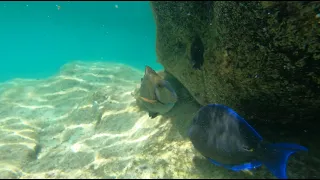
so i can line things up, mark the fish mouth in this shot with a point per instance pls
(148, 100)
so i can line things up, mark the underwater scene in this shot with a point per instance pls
(160, 89)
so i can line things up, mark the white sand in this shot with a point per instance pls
(53, 128)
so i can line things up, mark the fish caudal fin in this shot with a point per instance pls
(277, 155)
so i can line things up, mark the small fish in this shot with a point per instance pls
(227, 140)
(156, 95)
(196, 53)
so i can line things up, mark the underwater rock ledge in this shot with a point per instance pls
(260, 58)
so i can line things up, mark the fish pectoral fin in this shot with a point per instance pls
(246, 148)
(156, 93)
(168, 96)
(153, 115)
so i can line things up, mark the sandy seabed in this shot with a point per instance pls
(83, 122)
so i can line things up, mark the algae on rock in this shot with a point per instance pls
(260, 58)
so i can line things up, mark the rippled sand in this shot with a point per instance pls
(83, 123)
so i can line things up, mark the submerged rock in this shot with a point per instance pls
(260, 58)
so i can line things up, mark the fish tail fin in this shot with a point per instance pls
(276, 157)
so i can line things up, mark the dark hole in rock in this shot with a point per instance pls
(197, 50)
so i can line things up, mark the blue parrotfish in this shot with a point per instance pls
(227, 140)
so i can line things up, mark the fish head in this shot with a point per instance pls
(165, 93)
(155, 88)
(152, 75)
(148, 83)
(149, 70)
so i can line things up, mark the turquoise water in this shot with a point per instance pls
(37, 38)
(91, 118)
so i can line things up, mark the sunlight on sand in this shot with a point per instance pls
(56, 118)
(84, 123)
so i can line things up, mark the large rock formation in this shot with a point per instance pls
(260, 58)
